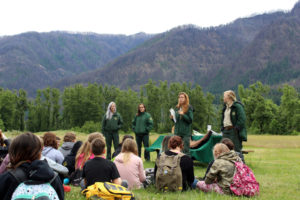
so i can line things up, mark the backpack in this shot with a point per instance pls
(244, 182)
(108, 191)
(28, 189)
(76, 177)
(168, 174)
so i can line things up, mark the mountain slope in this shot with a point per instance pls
(34, 60)
(184, 54)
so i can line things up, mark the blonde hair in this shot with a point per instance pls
(230, 94)
(129, 146)
(185, 106)
(220, 148)
(86, 148)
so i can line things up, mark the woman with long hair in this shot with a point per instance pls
(25, 153)
(141, 125)
(83, 155)
(184, 119)
(111, 124)
(129, 165)
(85, 151)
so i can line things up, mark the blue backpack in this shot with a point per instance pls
(28, 189)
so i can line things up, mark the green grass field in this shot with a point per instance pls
(275, 163)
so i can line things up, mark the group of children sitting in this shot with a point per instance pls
(85, 163)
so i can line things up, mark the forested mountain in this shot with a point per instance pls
(35, 60)
(263, 47)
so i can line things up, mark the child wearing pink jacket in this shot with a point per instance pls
(130, 166)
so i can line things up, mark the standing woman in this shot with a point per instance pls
(141, 125)
(233, 124)
(184, 119)
(111, 123)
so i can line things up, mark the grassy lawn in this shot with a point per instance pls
(275, 162)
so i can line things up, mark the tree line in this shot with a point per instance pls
(81, 108)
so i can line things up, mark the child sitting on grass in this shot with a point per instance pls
(220, 175)
(25, 152)
(99, 169)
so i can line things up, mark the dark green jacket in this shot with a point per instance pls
(238, 119)
(142, 124)
(183, 125)
(113, 124)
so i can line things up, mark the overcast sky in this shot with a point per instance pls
(126, 16)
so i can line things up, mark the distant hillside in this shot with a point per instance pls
(35, 60)
(263, 47)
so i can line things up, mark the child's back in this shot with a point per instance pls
(223, 169)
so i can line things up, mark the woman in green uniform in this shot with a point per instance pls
(233, 124)
(111, 123)
(183, 120)
(141, 125)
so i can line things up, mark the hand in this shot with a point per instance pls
(171, 116)
(180, 112)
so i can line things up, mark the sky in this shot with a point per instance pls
(126, 16)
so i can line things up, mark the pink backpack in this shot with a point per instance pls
(244, 182)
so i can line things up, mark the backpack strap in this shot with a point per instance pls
(180, 154)
(19, 175)
(54, 177)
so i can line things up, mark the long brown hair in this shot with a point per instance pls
(129, 146)
(185, 106)
(86, 148)
(139, 112)
(26, 147)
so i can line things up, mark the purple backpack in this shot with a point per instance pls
(244, 182)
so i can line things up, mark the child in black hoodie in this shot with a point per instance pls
(70, 159)
(25, 152)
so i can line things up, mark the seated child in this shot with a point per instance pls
(130, 165)
(69, 160)
(119, 148)
(175, 146)
(25, 152)
(85, 153)
(69, 141)
(99, 169)
(51, 148)
(220, 175)
(230, 146)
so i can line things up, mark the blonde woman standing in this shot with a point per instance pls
(233, 123)
(129, 165)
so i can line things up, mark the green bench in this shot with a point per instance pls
(203, 154)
